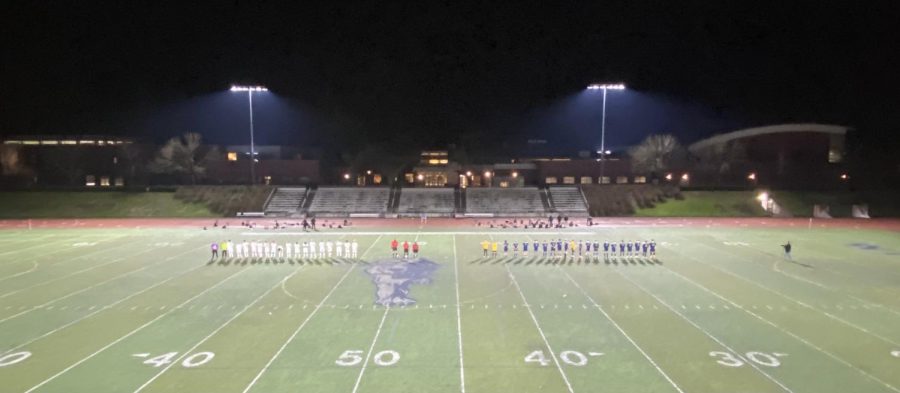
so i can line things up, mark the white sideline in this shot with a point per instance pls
(77, 271)
(799, 302)
(90, 287)
(497, 231)
(541, 331)
(308, 317)
(371, 347)
(708, 334)
(213, 333)
(462, 373)
(798, 338)
(138, 329)
(113, 304)
(34, 260)
(619, 328)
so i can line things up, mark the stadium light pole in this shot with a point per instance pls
(250, 90)
(605, 87)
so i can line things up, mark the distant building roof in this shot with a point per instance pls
(774, 129)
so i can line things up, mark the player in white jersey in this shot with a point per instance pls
(329, 247)
(321, 249)
(296, 250)
(353, 248)
(347, 248)
(265, 250)
(312, 249)
(305, 250)
(288, 248)
(339, 249)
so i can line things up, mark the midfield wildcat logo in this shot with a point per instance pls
(392, 279)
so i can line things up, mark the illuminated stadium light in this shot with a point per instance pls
(487, 174)
(606, 86)
(845, 176)
(685, 177)
(515, 174)
(468, 173)
(751, 176)
(248, 88)
(421, 177)
(369, 172)
(346, 176)
(668, 176)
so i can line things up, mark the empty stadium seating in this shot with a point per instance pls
(505, 201)
(343, 201)
(568, 200)
(427, 200)
(286, 200)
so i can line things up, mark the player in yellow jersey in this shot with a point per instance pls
(484, 247)
(494, 249)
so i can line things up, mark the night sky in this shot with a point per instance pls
(421, 74)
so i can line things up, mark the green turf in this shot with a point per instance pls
(61, 204)
(86, 310)
(707, 204)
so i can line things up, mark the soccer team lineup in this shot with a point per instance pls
(404, 305)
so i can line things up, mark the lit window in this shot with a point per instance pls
(90, 181)
(232, 156)
(85, 142)
(504, 184)
(376, 179)
(49, 142)
(605, 180)
(410, 178)
(68, 142)
(640, 179)
(434, 161)
(444, 161)
(551, 180)
(115, 160)
(120, 181)
(31, 142)
(268, 179)
(587, 180)
(622, 180)
(104, 181)
(568, 179)
(12, 142)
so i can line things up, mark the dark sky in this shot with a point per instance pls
(431, 72)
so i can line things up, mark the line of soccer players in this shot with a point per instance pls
(406, 246)
(290, 250)
(571, 248)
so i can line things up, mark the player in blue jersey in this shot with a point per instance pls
(652, 248)
(628, 249)
(525, 249)
(596, 249)
(515, 249)
(544, 249)
(505, 247)
(644, 248)
(606, 249)
(621, 248)
(535, 244)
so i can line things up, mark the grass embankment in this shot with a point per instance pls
(800, 204)
(707, 204)
(93, 204)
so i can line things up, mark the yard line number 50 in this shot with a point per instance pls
(352, 358)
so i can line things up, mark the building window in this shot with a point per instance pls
(115, 160)
(104, 181)
(267, 179)
(504, 184)
(410, 178)
(360, 180)
(568, 179)
(551, 180)
(232, 156)
(605, 180)
(376, 179)
(640, 179)
(587, 180)
(120, 181)
(622, 180)
(90, 181)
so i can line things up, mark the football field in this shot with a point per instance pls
(719, 310)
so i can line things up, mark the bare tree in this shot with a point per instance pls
(185, 155)
(656, 153)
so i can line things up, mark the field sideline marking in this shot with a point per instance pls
(61, 249)
(708, 334)
(34, 266)
(308, 318)
(213, 333)
(138, 329)
(798, 338)
(101, 309)
(92, 286)
(619, 328)
(462, 374)
(371, 347)
(82, 270)
(541, 331)
(801, 303)
(497, 232)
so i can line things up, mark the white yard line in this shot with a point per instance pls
(91, 287)
(117, 302)
(305, 321)
(799, 302)
(131, 333)
(798, 338)
(708, 334)
(34, 266)
(71, 274)
(619, 328)
(541, 331)
(462, 373)
(371, 348)
(60, 250)
(497, 232)
(213, 333)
